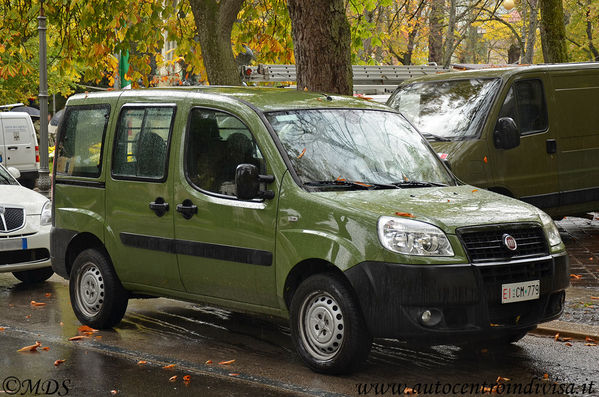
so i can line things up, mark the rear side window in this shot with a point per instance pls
(141, 142)
(79, 150)
(217, 142)
(525, 103)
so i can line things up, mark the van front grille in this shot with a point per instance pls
(486, 244)
(11, 219)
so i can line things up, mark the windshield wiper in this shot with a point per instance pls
(433, 137)
(408, 184)
(344, 182)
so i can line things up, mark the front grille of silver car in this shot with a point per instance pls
(485, 244)
(11, 218)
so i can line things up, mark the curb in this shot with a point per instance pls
(564, 328)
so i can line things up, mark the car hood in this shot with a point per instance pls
(445, 207)
(22, 197)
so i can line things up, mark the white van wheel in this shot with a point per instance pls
(327, 326)
(97, 296)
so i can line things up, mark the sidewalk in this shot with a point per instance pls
(581, 311)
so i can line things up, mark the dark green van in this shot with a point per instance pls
(331, 212)
(530, 132)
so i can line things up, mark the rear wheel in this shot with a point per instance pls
(35, 275)
(97, 296)
(327, 326)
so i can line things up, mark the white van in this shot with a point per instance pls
(19, 147)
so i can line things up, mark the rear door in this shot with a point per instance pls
(528, 171)
(19, 142)
(139, 194)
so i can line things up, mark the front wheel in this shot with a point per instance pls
(327, 326)
(97, 296)
(35, 275)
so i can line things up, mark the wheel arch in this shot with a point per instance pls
(80, 243)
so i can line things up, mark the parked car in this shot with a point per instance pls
(18, 146)
(525, 132)
(330, 212)
(25, 222)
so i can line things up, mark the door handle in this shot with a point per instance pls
(12, 147)
(187, 209)
(159, 206)
(551, 146)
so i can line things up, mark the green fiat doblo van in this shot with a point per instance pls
(530, 132)
(332, 212)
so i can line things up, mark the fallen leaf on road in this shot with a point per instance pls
(409, 390)
(169, 366)
(84, 329)
(568, 344)
(589, 339)
(2, 328)
(494, 325)
(78, 337)
(34, 303)
(61, 324)
(590, 344)
(173, 378)
(233, 374)
(576, 276)
(226, 362)
(45, 348)
(567, 339)
(142, 362)
(187, 378)
(502, 379)
(32, 348)
(208, 362)
(595, 297)
(58, 362)
(302, 154)
(475, 190)
(545, 376)
(114, 392)
(556, 337)
(48, 294)
(28, 316)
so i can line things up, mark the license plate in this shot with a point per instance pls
(13, 244)
(518, 292)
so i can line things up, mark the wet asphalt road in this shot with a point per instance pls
(163, 332)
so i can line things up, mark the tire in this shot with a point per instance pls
(324, 303)
(97, 295)
(35, 275)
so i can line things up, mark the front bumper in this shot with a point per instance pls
(468, 297)
(25, 251)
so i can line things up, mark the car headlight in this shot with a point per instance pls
(46, 215)
(411, 237)
(550, 230)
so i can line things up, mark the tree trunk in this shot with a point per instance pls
(531, 37)
(214, 22)
(435, 38)
(450, 36)
(321, 41)
(593, 50)
(554, 38)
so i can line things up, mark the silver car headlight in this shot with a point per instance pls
(46, 215)
(550, 230)
(410, 237)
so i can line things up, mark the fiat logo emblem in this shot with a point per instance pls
(509, 242)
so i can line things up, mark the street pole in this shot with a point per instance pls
(44, 178)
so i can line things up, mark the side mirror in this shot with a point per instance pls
(247, 183)
(14, 172)
(506, 135)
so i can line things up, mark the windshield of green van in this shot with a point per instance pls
(357, 149)
(448, 109)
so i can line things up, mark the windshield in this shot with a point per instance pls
(355, 148)
(6, 178)
(446, 110)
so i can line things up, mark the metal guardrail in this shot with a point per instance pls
(368, 79)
